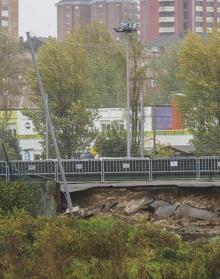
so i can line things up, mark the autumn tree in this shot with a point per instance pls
(200, 71)
(64, 70)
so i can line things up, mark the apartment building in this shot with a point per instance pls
(9, 16)
(176, 17)
(74, 13)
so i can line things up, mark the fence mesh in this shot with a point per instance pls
(173, 94)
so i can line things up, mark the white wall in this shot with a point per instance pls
(29, 146)
(108, 115)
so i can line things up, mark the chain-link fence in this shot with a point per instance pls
(170, 98)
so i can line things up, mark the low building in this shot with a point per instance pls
(31, 143)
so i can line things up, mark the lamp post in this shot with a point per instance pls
(127, 27)
(154, 51)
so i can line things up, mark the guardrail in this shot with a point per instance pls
(117, 169)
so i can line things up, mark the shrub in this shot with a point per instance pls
(99, 248)
(19, 195)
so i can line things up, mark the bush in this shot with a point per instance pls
(19, 195)
(99, 248)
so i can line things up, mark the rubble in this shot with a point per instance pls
(196, 213)
(191, 215)
(134, 205)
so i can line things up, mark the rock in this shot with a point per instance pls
(134, 205)
(86, 213)
(74, 210)
(161, 208)
(166, 210)
(195, 213)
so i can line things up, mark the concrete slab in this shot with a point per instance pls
(78, 187)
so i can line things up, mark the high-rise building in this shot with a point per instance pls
(74, 13)
(9, 16)
(177, 17)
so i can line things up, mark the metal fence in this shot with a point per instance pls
(116, 169)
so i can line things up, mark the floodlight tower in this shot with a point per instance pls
(127, 27)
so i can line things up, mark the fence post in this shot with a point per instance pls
(197, 168)
(7, 172)
(56, 168)
(102, 170)
(150, 170)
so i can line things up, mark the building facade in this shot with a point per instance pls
(74, 13)
(9, 16)
(177, 17)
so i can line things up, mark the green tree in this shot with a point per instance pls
(64, 70)
(10, 72)
(167, 75)
(106, 64)
(111, 143)
(200, 71)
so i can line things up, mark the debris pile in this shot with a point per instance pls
(191, 214)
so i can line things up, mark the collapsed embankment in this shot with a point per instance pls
(192, 213)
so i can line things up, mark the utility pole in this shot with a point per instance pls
(50, 125)
(154, 51)
(127, 27)
(142, 115)
(128, 99)
(47, 133)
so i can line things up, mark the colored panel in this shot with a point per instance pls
(163, 118)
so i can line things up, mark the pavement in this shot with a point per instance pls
(168, 184)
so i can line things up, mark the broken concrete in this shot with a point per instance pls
(165, 208)
(196, 213)
(86, 213)
(135, 205)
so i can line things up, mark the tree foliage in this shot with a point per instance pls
(10, 86)
(111, 143)
(168, 81)
(200, 71)
(80, 74)
(103, 247)
(106, 64)
(64, 70)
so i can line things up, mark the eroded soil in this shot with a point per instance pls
(192, 213)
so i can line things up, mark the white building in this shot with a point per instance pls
(30, 141)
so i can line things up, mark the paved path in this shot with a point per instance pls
(77, 187)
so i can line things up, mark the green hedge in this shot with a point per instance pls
(20, 195)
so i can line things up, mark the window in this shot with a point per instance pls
(12, 129)
(105, 126)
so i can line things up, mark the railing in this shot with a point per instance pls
(116, 169)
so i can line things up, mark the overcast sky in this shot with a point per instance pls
(37, 16)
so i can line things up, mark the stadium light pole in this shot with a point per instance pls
(127, 27)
